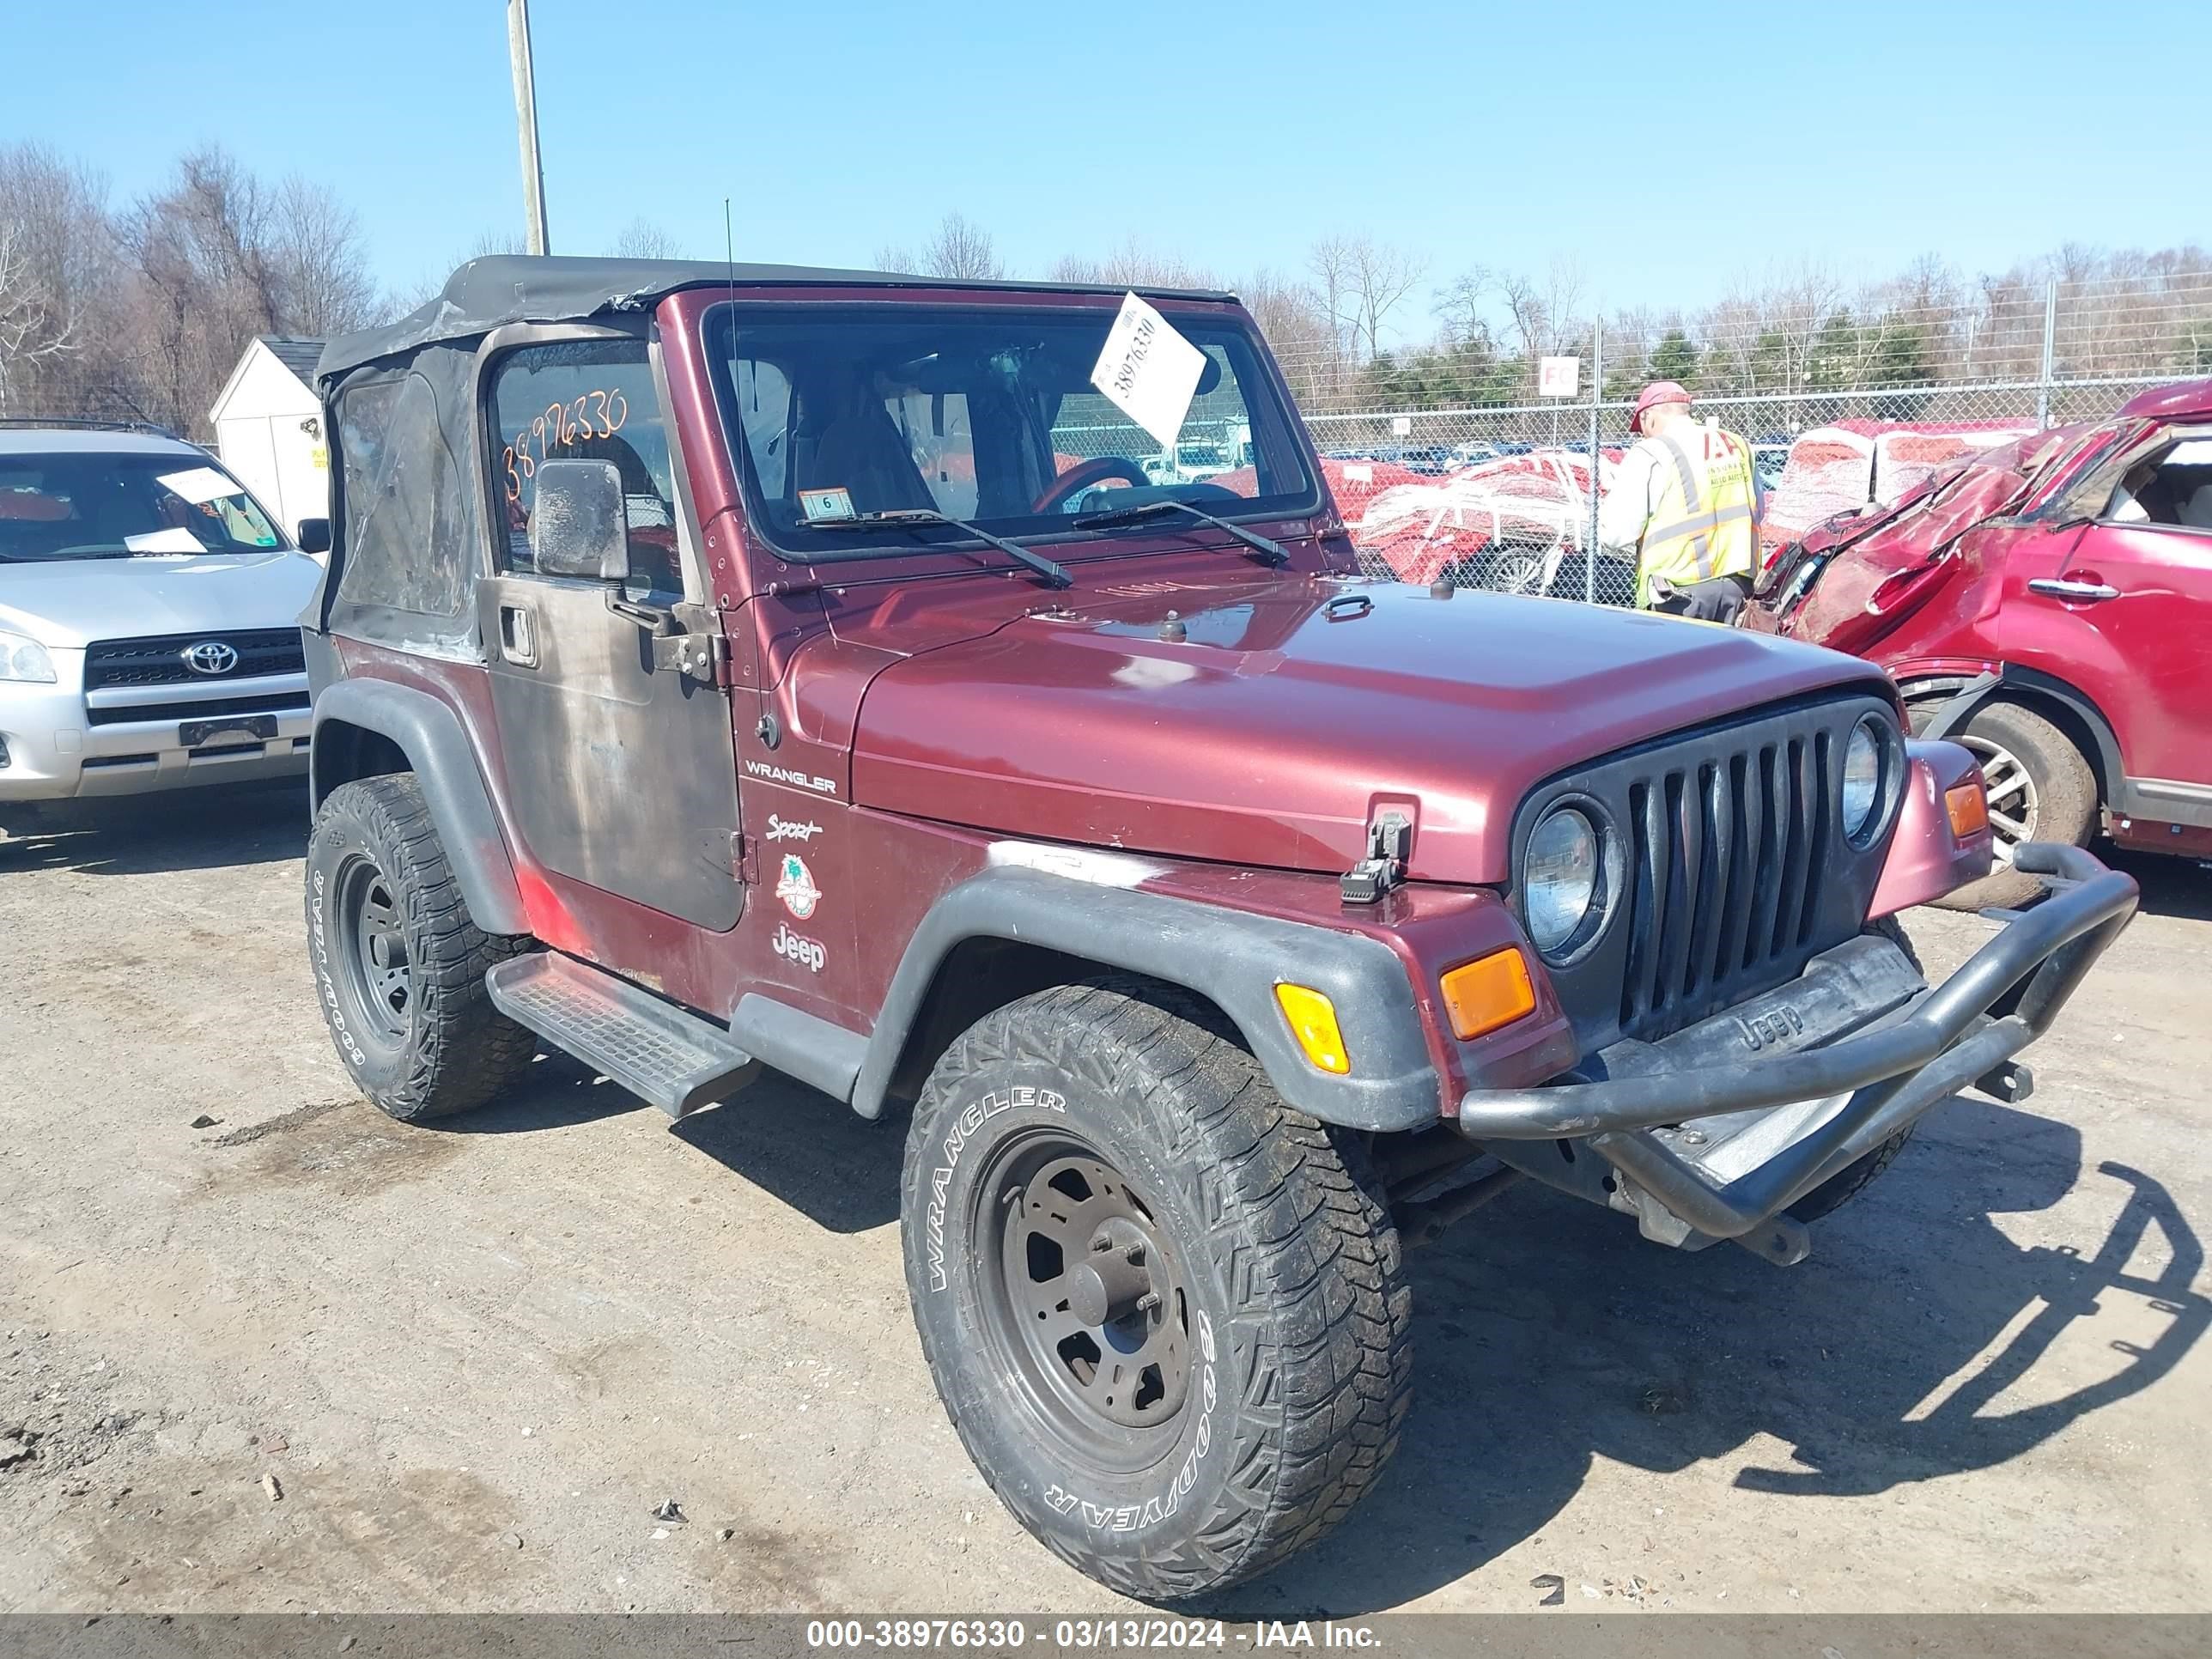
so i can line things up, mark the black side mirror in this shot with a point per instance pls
(577, 524)
(314, 535)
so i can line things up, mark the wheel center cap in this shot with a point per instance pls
(1109, 1285)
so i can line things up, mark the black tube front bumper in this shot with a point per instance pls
(1850, 1094)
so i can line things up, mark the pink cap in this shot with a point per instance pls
(1658, 392)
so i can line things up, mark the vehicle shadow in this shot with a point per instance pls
(559, 1092)
(2181, 888)
(807, 1150)
(186, 829)
(1546, 1334)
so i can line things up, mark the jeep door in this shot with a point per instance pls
(619, 775)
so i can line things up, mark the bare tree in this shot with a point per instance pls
(321, 266)
(960, 249)
(57, 282)
(641, 238)
(1382, 278)
(1545, 312)
(1460, 308)
(1136, 264)
(1298, 330)
(34, 332)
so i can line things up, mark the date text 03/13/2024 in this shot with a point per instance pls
(1083, 1635)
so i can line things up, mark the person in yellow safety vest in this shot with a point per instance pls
(1683, 507)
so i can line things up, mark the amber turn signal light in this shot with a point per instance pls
(1487, 992)
(1312, 1018)
(1969, 807)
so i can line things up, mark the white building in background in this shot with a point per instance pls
(269, 429)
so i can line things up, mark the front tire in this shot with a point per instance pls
(1163, 1312)
(400, 965)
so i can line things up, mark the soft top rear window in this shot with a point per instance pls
(986, 415)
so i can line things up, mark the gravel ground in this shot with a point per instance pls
(261, 1348)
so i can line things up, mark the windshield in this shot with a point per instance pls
(987, 416)
(91, 506)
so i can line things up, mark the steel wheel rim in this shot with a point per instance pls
(1112, 1389)
(2013, 802)
(378, 971)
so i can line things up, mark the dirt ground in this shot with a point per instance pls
(473, 1360)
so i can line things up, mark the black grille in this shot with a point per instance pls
(1731, 871)
(1724, 855)
(161, 661)
(270, 703)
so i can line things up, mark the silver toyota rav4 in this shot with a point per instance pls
(148, 620)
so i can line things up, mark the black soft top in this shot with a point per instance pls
(513, 288)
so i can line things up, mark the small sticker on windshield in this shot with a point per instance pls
(1148, 370)
(825, 506)
(164, 541)
(199, 485)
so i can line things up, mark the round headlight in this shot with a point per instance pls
(1560, 879)
(1862, 759)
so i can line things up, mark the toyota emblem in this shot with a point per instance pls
(211, 657)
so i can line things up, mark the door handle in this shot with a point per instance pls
(2056, 587)
(517, 634)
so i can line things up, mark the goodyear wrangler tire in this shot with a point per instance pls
(1165, 1316)
(399, 967)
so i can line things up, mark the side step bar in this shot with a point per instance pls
(653, 1048)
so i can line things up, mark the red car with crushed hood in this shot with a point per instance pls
(722, 668)
(2047, 604)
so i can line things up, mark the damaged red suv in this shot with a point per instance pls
(2049, 605)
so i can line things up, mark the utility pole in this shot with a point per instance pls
(525, 116)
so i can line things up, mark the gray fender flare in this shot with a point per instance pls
(1232, 957)
(429, 733)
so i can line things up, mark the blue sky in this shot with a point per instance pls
(1500, 135)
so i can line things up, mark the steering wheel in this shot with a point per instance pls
(1077, 479)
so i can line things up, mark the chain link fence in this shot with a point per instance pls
(1500, 494)
(1500, 498)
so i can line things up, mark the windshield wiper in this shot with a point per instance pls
(1269, 552)
(896, 517)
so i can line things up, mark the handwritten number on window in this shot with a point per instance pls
(600, 412)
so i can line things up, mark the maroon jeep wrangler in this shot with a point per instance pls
(721, 667)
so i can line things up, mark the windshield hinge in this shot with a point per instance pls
(699, 652)
(1389, 844)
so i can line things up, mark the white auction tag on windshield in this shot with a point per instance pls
(1148, 370)
(164, 541)
(199, 485)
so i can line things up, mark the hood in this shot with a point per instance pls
(1286, 715)
(73, 602)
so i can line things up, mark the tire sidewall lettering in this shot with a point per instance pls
(1091, 1508)
(979, 1111)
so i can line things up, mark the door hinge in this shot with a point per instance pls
(741, 859)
